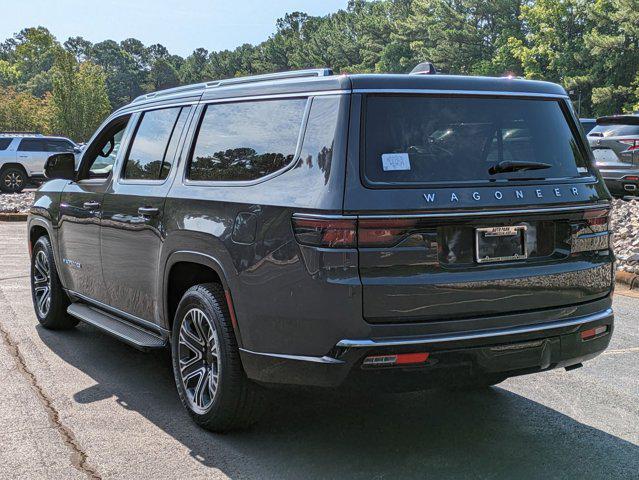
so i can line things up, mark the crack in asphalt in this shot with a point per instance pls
(78, 455)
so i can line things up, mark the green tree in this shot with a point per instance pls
(79, 100)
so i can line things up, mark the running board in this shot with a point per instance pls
(117, 327)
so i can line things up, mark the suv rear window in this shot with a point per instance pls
(614, 130)
(247, 140)
(4, 143)
(412, 139)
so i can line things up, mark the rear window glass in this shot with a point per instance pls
(4, 143)
(246, 141)
(614, 130)
(427, 139)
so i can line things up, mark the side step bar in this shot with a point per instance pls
(117, 327)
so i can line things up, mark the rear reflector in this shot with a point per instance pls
(398, 359)
(594, 332)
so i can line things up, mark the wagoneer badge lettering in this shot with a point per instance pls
(517, 194)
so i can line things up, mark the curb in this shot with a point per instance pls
(627, 278)
(13, 217)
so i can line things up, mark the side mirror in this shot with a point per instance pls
(60, 165)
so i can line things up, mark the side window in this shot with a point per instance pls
(148, 158)
(4, 143)
(247, 140)
(100, 155)
(59, 146)
(32, 145)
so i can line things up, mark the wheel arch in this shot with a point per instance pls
(6, 165)
(185, 269)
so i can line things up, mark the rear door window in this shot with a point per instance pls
(246, 141)
(413, 139)
(59, 146)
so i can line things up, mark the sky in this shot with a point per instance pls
(181, 26)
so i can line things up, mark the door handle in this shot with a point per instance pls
(148, 211)
(23, 156)
(91, 205)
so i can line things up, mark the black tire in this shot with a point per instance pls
(13, 179)
(232, 401)
(51, 313)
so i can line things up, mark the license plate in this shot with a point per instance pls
(605, 155)
(500, 244)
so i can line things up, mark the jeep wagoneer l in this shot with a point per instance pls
(388, 232)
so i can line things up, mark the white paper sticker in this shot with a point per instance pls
(395, 161)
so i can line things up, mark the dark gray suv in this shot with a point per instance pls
(391, 232)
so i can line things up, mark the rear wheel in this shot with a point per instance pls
(206, 363)
(13, 179)
(50, 301)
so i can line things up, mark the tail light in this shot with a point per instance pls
(385, 232)
(631, 178)
(326, 232)
(596, 218)
(344, 232)
(633, 142)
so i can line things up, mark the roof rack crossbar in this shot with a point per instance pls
(315, 72)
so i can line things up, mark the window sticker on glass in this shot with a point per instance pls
(395, 161)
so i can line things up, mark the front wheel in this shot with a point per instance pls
(50, 301)
(207, 368)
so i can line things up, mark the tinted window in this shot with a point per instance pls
(422, 139)
(588, 125)
(173, 143)
(4, 143)
(150, 143)
(246, 141)
(32, 145)
(614, 130)
(59, 146)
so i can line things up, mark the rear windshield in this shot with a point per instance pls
(614, 130)
(428, 139)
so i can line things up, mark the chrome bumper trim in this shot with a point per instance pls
(575, 322)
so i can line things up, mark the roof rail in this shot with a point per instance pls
(315, 72)
(21, 134)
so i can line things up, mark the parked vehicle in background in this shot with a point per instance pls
(23, 155)
(390, 232)
(615, 146)
(588, 124)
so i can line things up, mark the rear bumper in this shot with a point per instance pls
(453, 357)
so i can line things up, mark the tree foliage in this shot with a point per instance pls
(589, 46)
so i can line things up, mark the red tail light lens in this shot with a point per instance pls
(326, 232)
(384, 232)
(631, 178)
(633, 142)
(596, 217)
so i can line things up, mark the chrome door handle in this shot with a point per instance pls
(91, 205)
(148, 211)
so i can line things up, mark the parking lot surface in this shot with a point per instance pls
(80, 404)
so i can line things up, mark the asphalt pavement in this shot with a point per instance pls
(80, 404)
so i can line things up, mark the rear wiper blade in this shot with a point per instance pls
(507, 166)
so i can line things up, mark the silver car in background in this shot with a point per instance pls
(23, 154)
(615, 145)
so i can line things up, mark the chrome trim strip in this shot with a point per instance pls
(431, 91)
(575, 322)
(301, 358)
(272, 96)
(484, 213)
(136, 321)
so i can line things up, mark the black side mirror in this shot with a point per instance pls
(60, 165)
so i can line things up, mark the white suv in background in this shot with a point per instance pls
(22, 157)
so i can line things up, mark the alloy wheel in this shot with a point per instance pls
(199, 360)
(42, 283)
(13, 180)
